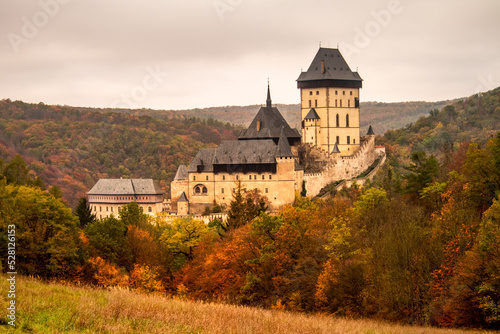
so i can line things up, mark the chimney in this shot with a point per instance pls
(322, 66)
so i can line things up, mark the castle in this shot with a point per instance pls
(265, 155)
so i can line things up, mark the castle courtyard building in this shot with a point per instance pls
(108, 196)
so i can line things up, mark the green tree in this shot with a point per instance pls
(16, 171)
(423, 171)
(84, 212)
(46, 234)
(107, 238)
(132, 214)
(244, 208)
(56, 192)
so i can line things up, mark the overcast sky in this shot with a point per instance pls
(176, 54)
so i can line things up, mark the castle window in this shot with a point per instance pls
(351, 92)
(343, 92)
(234, 190)
(197, 190)
(354, 140)
(267, 190)
(237, 177)
(255, 177)
(317, 92)
(340, 103)
(107, 209)
(349, 103)
(335, 102)
(338, 140)
(337, 120)
(336, 93)
(150, 209)
(348, 139)
(311, 93)
(315, 103)
(111, 209)
(270, 177)
(263, 176)
(346, 121)
(221, 190)
(223, 177)
(194, 177)
(249, 177)
(207, 177)
(119, 208)
(310, 103)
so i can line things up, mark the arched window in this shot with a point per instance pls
(200, 189)
(150, 209)
(337, 120)
(346, 121)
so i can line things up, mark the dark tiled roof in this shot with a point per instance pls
(182, 173)
(125, 187)
(312, 114)
(284, 149)
(183, 198)
(370, 131)
(241, 152)
(271, 123)
(335, 67)
(232, 152)
(335, 149)
(204, 158)
(298, 166)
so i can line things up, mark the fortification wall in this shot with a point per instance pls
(342, 167)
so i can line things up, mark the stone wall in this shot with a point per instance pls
(342, 167)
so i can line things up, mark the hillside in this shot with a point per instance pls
(382, 116)
(475, 119)
(56, 308)
(72, 148)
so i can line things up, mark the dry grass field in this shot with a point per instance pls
(57, 308)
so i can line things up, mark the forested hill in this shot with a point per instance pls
(382, 116)
(73, 148)
(475, 119)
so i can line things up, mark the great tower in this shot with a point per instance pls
(329, 95)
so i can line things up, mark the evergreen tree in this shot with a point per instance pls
(84, 212)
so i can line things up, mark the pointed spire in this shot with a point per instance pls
(284, 149)
(335, 149)
(268, 101)
(370, 131)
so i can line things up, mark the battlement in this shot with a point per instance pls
(342, 167)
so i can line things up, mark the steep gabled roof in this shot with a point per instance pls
(370, 131)
(284, 149)
(312, 114)
(125, 187)
(182, 173)
(268, 123)
(183, 198)
(335, 149)
(328, 64)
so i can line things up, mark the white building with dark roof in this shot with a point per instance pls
(108, 196)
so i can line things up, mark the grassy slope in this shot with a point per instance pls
(56, 308)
